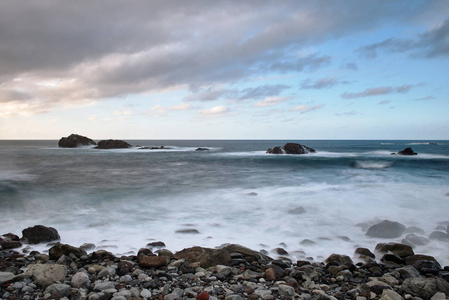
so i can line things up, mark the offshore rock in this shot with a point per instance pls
(386, 229)
(291, 148)
(407, 151)
(112, 144)
(440, 236)
(40, 234)
(75, 140)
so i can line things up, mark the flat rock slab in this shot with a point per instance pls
(5, 277)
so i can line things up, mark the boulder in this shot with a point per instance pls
(412, 259)
(151, 261)
(5, 277)
(40, 234)
(297, 211)
(386, 229)
(363, 251)
(207, 257)
(339, 259)
(80, 280)
(420, 287)
(248, 254)
(413, 239)
(75, 140)
(291, 148)
(47, 274)
(407, 151)
(11, 245)
(400, 250)
(112, 144)
(440, 236)
(59, 249)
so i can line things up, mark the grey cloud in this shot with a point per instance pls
(383, 90)
(114, 48)
(430, 44)
(253, 93)
(424, 98)
(348, 113)
(383, 102)
(323, 83)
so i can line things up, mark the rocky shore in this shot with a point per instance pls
(230, 272)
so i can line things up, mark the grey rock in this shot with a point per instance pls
(172, 296)
(5, 277)
(88, 246)
(45, 275)
(386, 229)
(232, 297)
(420, 287)
(59, 289)
(439, 236)
(297, 211)
(286, 291)
(101, 286)
(390, 295)
(146, 294)
(439, 296)
(108, 271)
(80, 280)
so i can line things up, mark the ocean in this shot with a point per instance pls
(122, 199)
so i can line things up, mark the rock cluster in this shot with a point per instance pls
(291, 148)
(230, 272)
(112, 144)
(406, 151)
(75, 140)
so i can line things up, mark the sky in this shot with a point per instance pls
(224, 69)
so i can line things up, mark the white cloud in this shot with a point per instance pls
(215, 111)
(181, 107)
(303, 108)
(271, 101)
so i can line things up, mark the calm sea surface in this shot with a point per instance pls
(234, 193)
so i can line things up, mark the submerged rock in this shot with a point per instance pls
(75, 140)
(291, 148)
(112, 144)
(386, 229)
(201, 149)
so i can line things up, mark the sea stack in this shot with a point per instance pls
(75, 140)
(291, 148)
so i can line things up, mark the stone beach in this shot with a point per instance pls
(390, 271)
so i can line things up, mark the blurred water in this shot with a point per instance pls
(233, 193)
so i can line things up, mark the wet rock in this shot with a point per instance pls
(11, 245)
(297, 211)
(75, 140)
(188, 231)
(291, 148)
(59, 249)
(440, 236)
(415, 230)
(280, 251)
(46, 274)
(363, 251)
(152, 261)
(156, 245)
(207, 257)
(410, 260)
(112, 144)
(386, 229)
(407, 151)
(399, 249)
(414, 239)
(88, 246)
(286, 291)
(40, 234)
(339, 259)
(105, 285)
(247, 254)
(270, 274)
(201, 149)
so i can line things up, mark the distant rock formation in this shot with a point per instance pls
(407, 151)
(75, 140)
(291, 148)
(112, 144)
(201, 149)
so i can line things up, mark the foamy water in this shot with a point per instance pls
(121, 200)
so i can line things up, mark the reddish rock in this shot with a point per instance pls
(203, 296)
(270, 274)
(152, 261)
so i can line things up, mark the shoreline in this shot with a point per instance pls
(230, 272)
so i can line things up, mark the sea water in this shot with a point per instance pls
(235, 192)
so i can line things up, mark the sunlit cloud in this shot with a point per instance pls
(215, 111)
(303, 108)
(271, 101)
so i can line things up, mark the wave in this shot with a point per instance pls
(373, 164)
(424, 143)
(387, 143)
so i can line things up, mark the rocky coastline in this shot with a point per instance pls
(391, 271)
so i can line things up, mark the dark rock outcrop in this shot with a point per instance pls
(407, 151)
(207, 257)
(59, 249)
(401, 250)
(386, 229)
(75, 140)
(112, 144)
(201, 149)
(40, 234)
(291, 148)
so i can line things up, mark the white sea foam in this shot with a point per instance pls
(373, 164)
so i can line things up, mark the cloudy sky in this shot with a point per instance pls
(224, 69)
